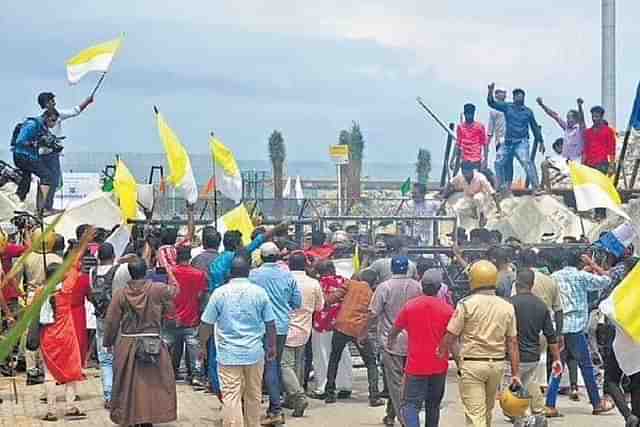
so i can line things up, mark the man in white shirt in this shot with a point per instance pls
(47, 101)
(300, 322)
(496, 126)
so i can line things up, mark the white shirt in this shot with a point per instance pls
(64, 115)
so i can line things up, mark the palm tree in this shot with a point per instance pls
(356, 152)
(423, 166)
(344, 139)
(277, 154)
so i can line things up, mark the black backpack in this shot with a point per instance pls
(101, 291)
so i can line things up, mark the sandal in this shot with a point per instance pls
(50, 417)
(605, 406)
(75, 413)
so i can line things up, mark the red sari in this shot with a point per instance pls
(58, 341)
(80, 288)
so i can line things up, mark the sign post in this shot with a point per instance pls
(340, 156)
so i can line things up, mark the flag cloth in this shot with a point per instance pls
(356, 260)
(617, 240)
(406, 187)
(124, 185)
(593, 189)
(179, 164)
(299, 191)
(228, 177)
(286, 193)
(210, 188)
(237, 219)
(95, 58)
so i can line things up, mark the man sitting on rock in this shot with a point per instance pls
(477, 189)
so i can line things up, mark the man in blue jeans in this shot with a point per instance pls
(425, 319)
(283, 292)
(574, 286)
(518, 118)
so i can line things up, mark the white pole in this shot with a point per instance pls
(338, 169)
(609, 60)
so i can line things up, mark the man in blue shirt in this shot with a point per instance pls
(285, 297)
(575, 284)
(518, 118)
(243, 316)
(27, 159)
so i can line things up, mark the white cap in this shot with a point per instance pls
(269, 249)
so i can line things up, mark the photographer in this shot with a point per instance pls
(51, 154)
(26, 157)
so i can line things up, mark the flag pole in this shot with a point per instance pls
(215, 186)
(100, 80)
(625, 143)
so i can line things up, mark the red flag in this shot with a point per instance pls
(163, 186)
(210, 188)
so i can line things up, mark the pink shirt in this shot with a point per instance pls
(472, 139)
(479, 184)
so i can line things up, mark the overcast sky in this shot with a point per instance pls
(245, 67)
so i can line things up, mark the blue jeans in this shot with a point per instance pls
(504, 163)
(106, 361)
(427, 390)
(212, 367)
(189, 336)
(577, 346)
(273, 376)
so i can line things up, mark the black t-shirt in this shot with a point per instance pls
(533, 317)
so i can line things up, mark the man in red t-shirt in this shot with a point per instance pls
(599, 146)
(472, 142)
(192, 286)
(425, 319)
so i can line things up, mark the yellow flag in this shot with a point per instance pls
(237, 219)
(181, 174)
(228, 177)
(124, 184)
(356, 260)
(593, 189)
(95, 58)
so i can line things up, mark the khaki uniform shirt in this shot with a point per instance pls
(483, 321)
(34, 272)
(545, 288)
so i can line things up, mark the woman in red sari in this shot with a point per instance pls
(59, 347)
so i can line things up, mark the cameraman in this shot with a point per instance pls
(28, 160)
(51, 155)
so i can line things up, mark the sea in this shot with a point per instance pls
(140, 165)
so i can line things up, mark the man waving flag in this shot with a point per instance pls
(179, 164)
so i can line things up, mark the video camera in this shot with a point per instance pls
(51, 142)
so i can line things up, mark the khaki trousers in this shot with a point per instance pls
(242, 390)
(479, 383)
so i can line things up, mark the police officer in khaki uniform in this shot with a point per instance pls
(486, 324)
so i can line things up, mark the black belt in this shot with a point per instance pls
(483, 359)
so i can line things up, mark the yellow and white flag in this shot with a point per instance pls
(125, 187)
(228, 177)
(179, 163)
(237, 219)
(95, 58)
(622, 308)
(593, 189)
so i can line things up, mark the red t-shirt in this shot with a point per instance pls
(599, 145)
(192, 283)
(320, 253)
(471, 139)
(425, 319)
(10, 291)
(325, 319)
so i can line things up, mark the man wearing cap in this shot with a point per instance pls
(486, 324)
(388, 300)
(285, 297)
(518, 119)
(471, 139)
(496, 126)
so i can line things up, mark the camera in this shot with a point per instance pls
(51, 142)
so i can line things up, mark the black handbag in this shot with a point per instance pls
(33, 335)
(148, 350)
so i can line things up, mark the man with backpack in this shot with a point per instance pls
(34, 133)
(100, 297)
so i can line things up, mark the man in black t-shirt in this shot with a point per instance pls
(533, 318)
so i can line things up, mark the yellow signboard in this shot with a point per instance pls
(339, 154)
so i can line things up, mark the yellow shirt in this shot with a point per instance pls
(484, 321)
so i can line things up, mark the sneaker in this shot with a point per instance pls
(331, 398)
(197, 384)
(632, 421)
(317, 396)
(301, 405)
(374, 402)
(574, 395)
(344, 394)
(272, 419)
